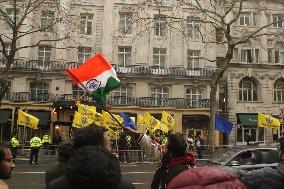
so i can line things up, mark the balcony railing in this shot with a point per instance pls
(112, 101)
(56, 66)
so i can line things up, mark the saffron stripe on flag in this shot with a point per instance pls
(87, 71)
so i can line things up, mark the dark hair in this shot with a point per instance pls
(3, 146)
(65, 150)
(176, 144)
(92, 135)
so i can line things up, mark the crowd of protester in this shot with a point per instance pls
(87, 162)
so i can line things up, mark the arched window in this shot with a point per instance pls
(248, 90)
(160, 94)
(39, 91)
(279, 90)
(77, 91)
(194, 95)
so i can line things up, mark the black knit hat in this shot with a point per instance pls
(93, 167)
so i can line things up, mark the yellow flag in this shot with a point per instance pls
(167, 122)
(268, 121)
(108, 121)
(81, 120)
(98, 119)
(27, 120)
(112, 133)
(150, 122)
(86, 110)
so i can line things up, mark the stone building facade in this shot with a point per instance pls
(160, 67)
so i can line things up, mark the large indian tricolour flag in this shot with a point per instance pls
(96, 75)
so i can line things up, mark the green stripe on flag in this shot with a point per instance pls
(100, 94)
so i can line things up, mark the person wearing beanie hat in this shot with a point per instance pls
(266, 178)
(65, 150)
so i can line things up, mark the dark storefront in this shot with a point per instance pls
(195, 125)
(5, 124)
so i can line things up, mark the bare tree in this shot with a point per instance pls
(25, 18)
(220, 18)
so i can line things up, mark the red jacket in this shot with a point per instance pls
(205, 178)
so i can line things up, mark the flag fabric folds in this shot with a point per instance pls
(222, 124)
(98, 119)
(167, 122)
(127, 121)
(81, 120)
(150, 122)
(108, 120)
(97, 75)
(267, 121)
(27, 120)
(86, 110)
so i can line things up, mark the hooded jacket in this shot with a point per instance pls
(265, 178)
(205, 178)
(91, 168)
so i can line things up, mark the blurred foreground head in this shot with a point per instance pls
(176, 144)
(93, 167)
(65, 150)
(92, 135)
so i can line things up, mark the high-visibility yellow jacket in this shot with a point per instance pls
(15, 143)
(35, 142)
(46, 139)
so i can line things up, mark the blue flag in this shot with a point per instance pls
(127, 121)
(223, 125)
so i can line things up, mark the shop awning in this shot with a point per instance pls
(249, 120)
(195, 121)
(5, 114)
(43, 116)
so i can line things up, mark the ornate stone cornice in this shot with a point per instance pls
(256, 75)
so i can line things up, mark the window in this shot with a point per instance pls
(219, 34)
(7, 93)
(193, 57)
(248, 90)
(159, 94)
(46, 23)
(7, 49)
(86, 24)
(163, 2)
(124, 56)
(194, 95)
(123, 94)
(39, 91)
(277, 20)
(191, 2)
(126, 1)
(235, 55)
(256, 55)
(84, 53)
(44, 53)
(125, 23)
(159, 57)
(279, 53)
(269, 55)
(13, 16)
(160, 25)
(77, 91)
(246, 53)
(279, 90)
(193, 27)
(244, 19)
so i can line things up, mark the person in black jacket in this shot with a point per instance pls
(265, 178)
(91, 165)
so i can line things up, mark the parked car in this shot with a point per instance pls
(248, 158)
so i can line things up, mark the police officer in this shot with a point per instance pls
(35, 143)
(14, 143)
(46, 140)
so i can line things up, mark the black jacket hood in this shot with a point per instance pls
(93, 167)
